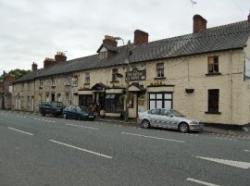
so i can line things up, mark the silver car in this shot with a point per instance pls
(169, 119)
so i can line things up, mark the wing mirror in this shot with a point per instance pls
(171, 115)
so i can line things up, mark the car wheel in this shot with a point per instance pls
(183, 127)
(145, 124)
(65, 116)
(43, 114)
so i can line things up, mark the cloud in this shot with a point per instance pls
(33, 30)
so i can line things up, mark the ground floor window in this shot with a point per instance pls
(114, 103)
(213, 100)
(160, 100)
(85, 100)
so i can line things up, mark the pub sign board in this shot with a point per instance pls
(136, 75)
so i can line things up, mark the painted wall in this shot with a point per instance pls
(182, 73)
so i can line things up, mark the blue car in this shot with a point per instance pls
(77, 112)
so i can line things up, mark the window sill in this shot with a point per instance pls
(160, 78)
(114, 81)
(86, 84)
(216, 113)
(213, 74)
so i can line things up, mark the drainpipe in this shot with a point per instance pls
(231, 86)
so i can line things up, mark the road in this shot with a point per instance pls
(46, 151)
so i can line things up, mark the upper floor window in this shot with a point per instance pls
(160, 70)
(213, 64)
(28, 86)
(75, 81)
(114, 74)
(41, 83)
(87, 78)
(53, 82)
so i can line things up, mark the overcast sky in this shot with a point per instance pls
(34, 29)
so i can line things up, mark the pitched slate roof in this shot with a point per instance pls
(226, 37)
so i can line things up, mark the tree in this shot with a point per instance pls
(18, 73)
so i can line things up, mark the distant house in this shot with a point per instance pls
(202, 74)
(6, 91)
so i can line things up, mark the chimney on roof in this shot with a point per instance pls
(48, 62)
(110, 40)
(199, 24)
(60, 57)
(140, 37)
(248, 17)
(34, 67)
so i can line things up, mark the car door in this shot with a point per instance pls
(171, 120)
(164, 119)
(47, 107)
(71, 112)
(154, 117)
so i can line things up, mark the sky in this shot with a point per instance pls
(32, 30)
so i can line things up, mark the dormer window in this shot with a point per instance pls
(103, 55)
(108, 48)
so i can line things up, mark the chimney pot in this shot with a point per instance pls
(199, 24)
(110, 40)
(60, 57)
(34, 67)
(140, 37)
(48, 62)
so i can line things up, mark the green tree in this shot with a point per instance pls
(18, 73)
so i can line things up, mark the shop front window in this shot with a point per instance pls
(160, 100)
(85, 100)
(114, 103)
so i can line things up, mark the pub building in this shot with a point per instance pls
(204, 75)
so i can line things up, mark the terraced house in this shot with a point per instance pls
(203, 75)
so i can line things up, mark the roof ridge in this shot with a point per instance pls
(198, 35)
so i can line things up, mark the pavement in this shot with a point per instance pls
(47, 151)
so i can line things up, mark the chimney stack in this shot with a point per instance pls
(199, 24)
(110, 40)
(34, 67)
(140, 37)
(248, 17)
(48, 62)
(60, 57)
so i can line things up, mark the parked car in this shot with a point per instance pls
(77, 112)
(55, 108)
(169, 119)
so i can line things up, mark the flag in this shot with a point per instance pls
(193, 2)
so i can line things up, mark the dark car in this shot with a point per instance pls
(54, 108)
(76, 112)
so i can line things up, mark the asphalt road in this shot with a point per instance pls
(46, 151)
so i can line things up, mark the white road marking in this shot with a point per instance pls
(86, 127)
(21, 131)
(238, 164)
(152, 137)
(81, 149)
(201, 182)
(247, 150)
